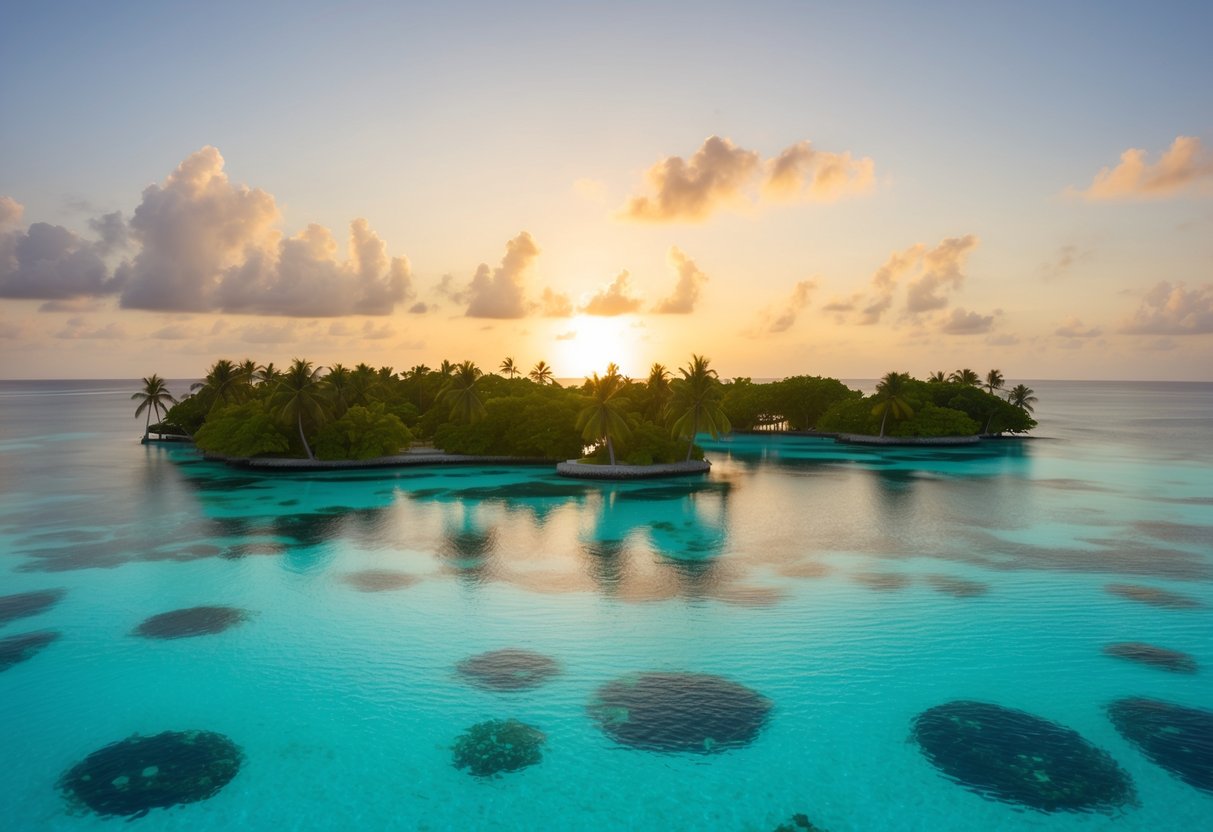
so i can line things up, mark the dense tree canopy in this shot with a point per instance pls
(337, 412)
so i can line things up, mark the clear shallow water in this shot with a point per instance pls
(816, 575)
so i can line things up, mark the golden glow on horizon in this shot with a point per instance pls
(594, 343)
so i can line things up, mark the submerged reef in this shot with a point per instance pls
(1018, 758)
(25, 604)
(679, 712)
(509, 669)
(138, 774)
(192, 621)
(16, 649)
(379, 580)
(1148, 654)
(957, 587)
(489, 748)
(799, 823)
(1154, 597)
(1175, 737)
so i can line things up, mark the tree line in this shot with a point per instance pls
(245, 409)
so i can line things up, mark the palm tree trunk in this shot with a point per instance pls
(147, 425)
(306, 447)
(882, 420)
(610, 449)
(691, 443)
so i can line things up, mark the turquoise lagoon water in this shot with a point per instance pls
(821, 576)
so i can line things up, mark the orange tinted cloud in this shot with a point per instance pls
(1185, 167)
(686, 291)
(615, 299)
(1173, 309)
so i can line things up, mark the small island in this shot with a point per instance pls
(609, 427)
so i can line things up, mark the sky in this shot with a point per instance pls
(839, 189)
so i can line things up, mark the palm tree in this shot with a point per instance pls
(446, 368)
(509, 369)
(248, 369)
(657, 387)
(152, 398)
(338, 382)
(890, 398)
(696, 401)
(223, 383)
(994, 381)
(602, 415)
(966, 376)
(937, 377)
(461, 395)
(541, 373)
(269, 374)
(1022, 396)
(299, 395)
(363, 380)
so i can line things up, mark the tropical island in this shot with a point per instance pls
(247, 411)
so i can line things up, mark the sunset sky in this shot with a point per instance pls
(835, 189)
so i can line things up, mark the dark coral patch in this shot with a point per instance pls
(799, 823)
(131, 777)
(1018, 758)
(192, 621)
(509, 669)
(1161, 657)
(882, 581)
(1154, 597)
(1175, 737)
(489, 748)
(24, 604)
(379, 580)
(958, 587)
(689, 712)
(16, 649)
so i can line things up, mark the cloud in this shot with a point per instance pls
(206, 244)
(567, 336)
(720, 174)
(112, 231)
(692, 190)
(962, 322)
(49, 262)
(614, 299)
(419, 308)
(11, 212)
(1173, 309)
(1073, 327)
(555, 304)
(800, 172)
(79, 328)
(267, 333)
(175, 332)
(941, 270)
(686, 290)
(781, 316)
(1066, 258)
(1185, 166)
(928, 274)
(501, 292)
(75, 306)
(373, 332)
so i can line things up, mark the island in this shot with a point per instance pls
(608, 427)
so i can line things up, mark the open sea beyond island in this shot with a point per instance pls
(1016, 635)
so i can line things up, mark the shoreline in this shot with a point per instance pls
(587, 471)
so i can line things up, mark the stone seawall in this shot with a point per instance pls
(932, 441)
(584, 471)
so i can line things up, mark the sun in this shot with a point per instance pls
(586, 344)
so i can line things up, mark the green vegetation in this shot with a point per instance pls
(153, 399)
(339, 413)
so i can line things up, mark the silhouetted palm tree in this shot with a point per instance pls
(446, 368)
(299, 395)
(695, 403)
(363, 381)
(1022, 397)
(994, 381)
(890, 398)
(602, 415)
(657, 390)
(248, 369)
(338, 382)
(937, 377)
(460, 393)
(509, 369)
(269, 374)
(224, 383)
(154, 398)
(541, 373)
(966, 376)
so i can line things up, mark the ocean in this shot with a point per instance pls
(878, 639)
